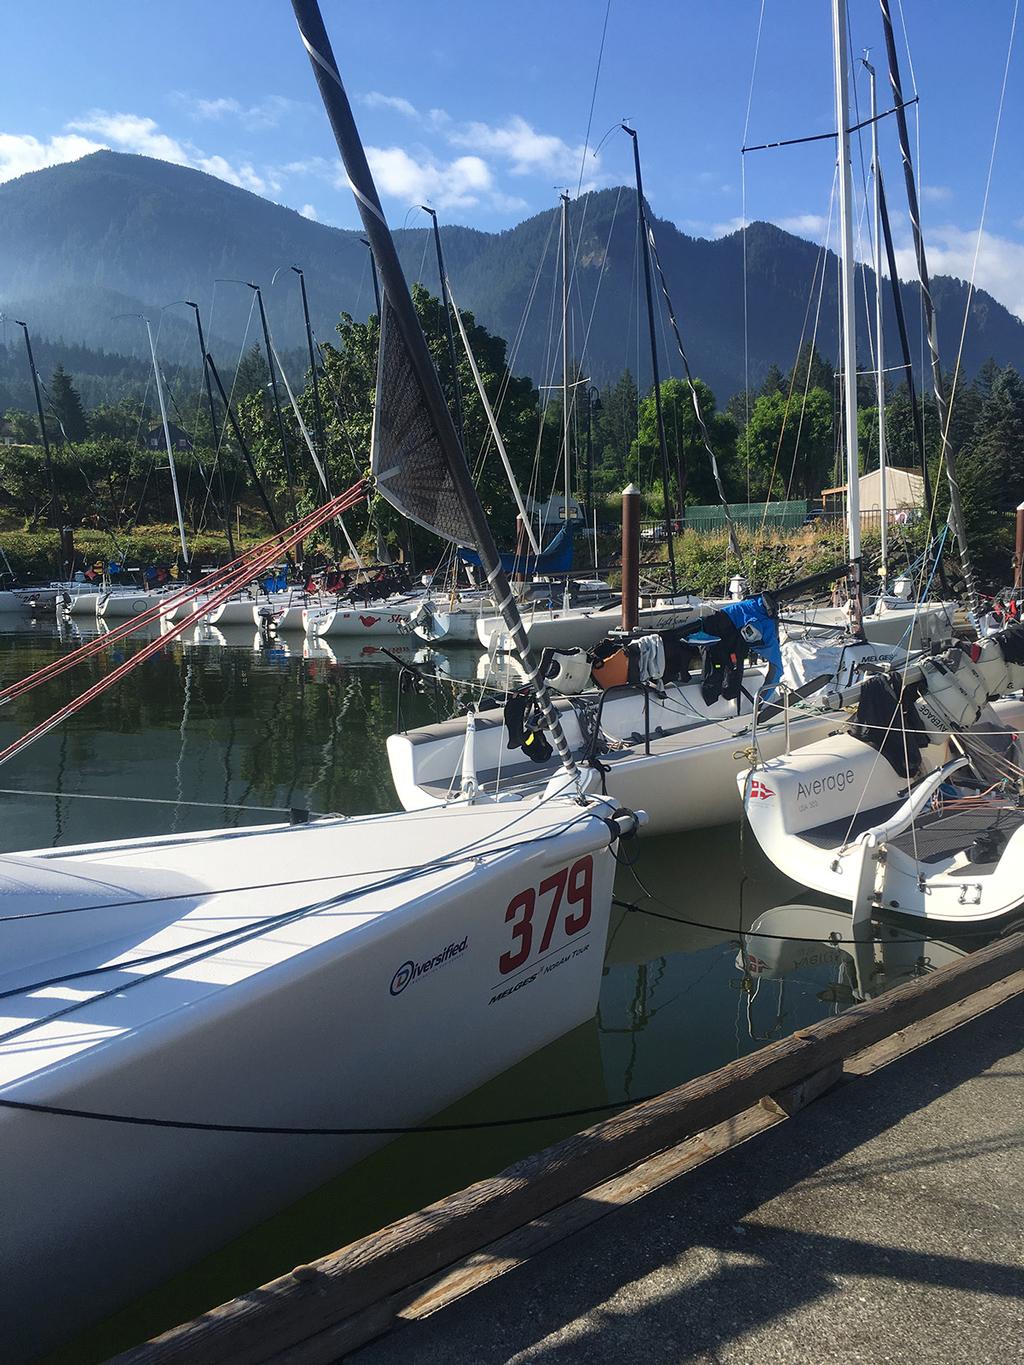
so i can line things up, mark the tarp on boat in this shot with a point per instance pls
(556, 558)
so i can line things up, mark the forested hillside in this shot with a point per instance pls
(112, 234)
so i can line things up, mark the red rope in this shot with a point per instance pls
(288, 538)
(241, 570)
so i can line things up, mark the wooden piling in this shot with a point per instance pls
(630, 557)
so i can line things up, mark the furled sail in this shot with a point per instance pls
(406, 455)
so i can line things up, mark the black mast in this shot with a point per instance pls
(55, 510)
(446, 304)
(901, 325)
(277, 410)
(659, 415)
(225, 509)
(318, 414)
(339, 112)
(267, 507)
(373, 273)
(948, 458)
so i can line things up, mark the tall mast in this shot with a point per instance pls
(226, 510)
(446, 305)
(655, 373)
(947, 454)
(566, 386)
(849, 319)
(55, 511)
(277, 411)
(876, 171)
(373, 274)
(167, 442)
(318, 412)
(339, 111)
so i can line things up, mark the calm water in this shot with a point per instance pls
(233, 726)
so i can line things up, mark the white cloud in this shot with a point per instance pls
(212, 109)
(141, 135)
(375, 100)
(938, 194)
(21, 153)
(417, 180)
(951, 252)
(132, 133)
(528, 151)
(308, 211)
(811, 225)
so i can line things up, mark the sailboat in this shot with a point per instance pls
(675, 746)
(915, 807)
(198, 1029)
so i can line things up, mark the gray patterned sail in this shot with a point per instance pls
(406, 455)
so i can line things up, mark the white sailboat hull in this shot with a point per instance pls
(381, 618)
(123, 605)
(375, 1012)
(581, 627)
(825, 817)
(686, 781)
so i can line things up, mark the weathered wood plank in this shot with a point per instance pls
(518, 1246)
(262, 1324)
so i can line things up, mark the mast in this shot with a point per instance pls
(55, 511)
(446, 304)
(167, 442)
(373, 274)
(318, 412)
(213, 423)
(277, 410)
(849, 320)
(566, 414)
(908, 364)
(246, 455)
(946, 449)
(653, 336)
(876, 172)
(339, 112)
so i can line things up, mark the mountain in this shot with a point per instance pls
(117, 234)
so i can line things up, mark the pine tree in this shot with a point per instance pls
(67, 407)
(774, 381)
(821, 376)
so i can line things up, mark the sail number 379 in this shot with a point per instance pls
(532, 916)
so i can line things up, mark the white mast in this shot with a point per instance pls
(879, 332)
(565, 369)
(849, 356)
(167, 442)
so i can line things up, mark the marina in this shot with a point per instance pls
(434, 839)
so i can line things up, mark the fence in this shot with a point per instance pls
(774, 516)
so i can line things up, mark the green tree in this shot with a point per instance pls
(689, 464)
(22, 427)
(773, 382)
(67, 407)
(790, 453)
(811, 371)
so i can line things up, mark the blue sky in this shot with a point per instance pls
(482, 109)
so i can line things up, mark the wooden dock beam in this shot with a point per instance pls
(317, 1313)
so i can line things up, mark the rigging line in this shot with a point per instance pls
(981, 222)
(793, 373)
(734, 543)
(822, 137)
(593, 97)
(823, 259)
(152, 801)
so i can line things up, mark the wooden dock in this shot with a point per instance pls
(321, 1312)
